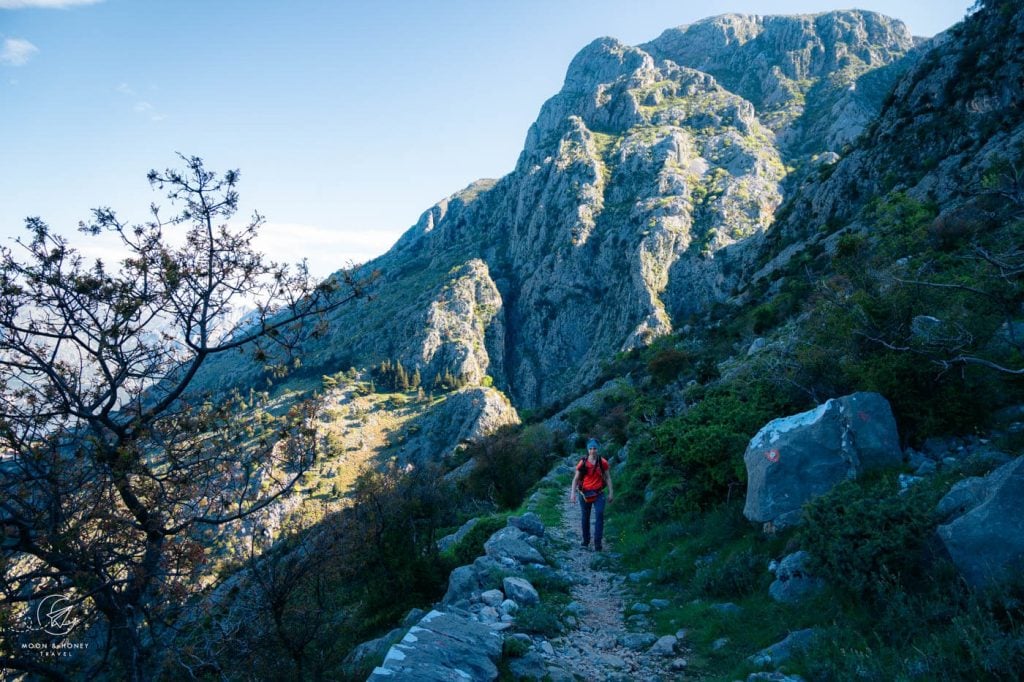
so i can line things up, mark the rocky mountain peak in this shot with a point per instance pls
(800, 46)
(811, 77)
(604, 61)
(636, 176)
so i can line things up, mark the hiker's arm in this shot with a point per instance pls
(572, 486)
(608, 482)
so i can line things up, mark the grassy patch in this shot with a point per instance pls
(472, 545)
(701, 563)
(550, 493)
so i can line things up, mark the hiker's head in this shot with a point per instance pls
(592, 446)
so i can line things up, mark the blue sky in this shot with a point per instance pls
(347, 119)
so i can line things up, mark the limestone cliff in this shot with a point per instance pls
(816, 80)
(954, 115)
(616, 223)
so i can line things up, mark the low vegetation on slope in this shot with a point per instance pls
(910, 297)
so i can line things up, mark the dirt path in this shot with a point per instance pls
(595, 650)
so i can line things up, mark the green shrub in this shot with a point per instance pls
(864, 537)
(515, 648)
(665, 500)
(540, 619)
(849, 246)
(707, 370)
(613, 425)
(548, 581)
(509, 462)
(702, 449)
(389, 535)
(764, 317)
(668, 364)
(644, 409)
(984, 638)
(582, 419)
(472, 544)
(924, 400)
(859, 333)
(950, 633)
(741, 573)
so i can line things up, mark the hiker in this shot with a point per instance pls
(592, 475)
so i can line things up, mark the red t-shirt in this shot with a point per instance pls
(594, 478)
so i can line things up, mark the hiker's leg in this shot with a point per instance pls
(585, 514)
(599, 521)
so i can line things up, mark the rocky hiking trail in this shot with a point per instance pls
(601, 646)
(492, 614)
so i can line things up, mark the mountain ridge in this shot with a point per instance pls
(632, 183)
(747, 278)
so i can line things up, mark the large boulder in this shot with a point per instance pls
(780, 652)
(443, 646)
(529, 523)
(796, 458)
(373, 651)
(964, 496)
(510, 543)
(986, 541)
(793, 581)
(463, 582)
(449, 541)
(521, 591)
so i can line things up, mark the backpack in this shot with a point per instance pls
(582, 466)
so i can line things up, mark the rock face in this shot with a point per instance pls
(456, 327)
(957, 107)
(465, 415)
(789, 89)
(462, 640)
(964, 496)
(633, 183)
(507, 550)
(529, 523)
(796, 458)
(986, 541)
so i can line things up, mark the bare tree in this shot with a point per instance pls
(114, 462)
(276, 621)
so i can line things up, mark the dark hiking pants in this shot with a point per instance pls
(598, 507)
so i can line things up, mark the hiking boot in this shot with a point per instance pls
(585, 545)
